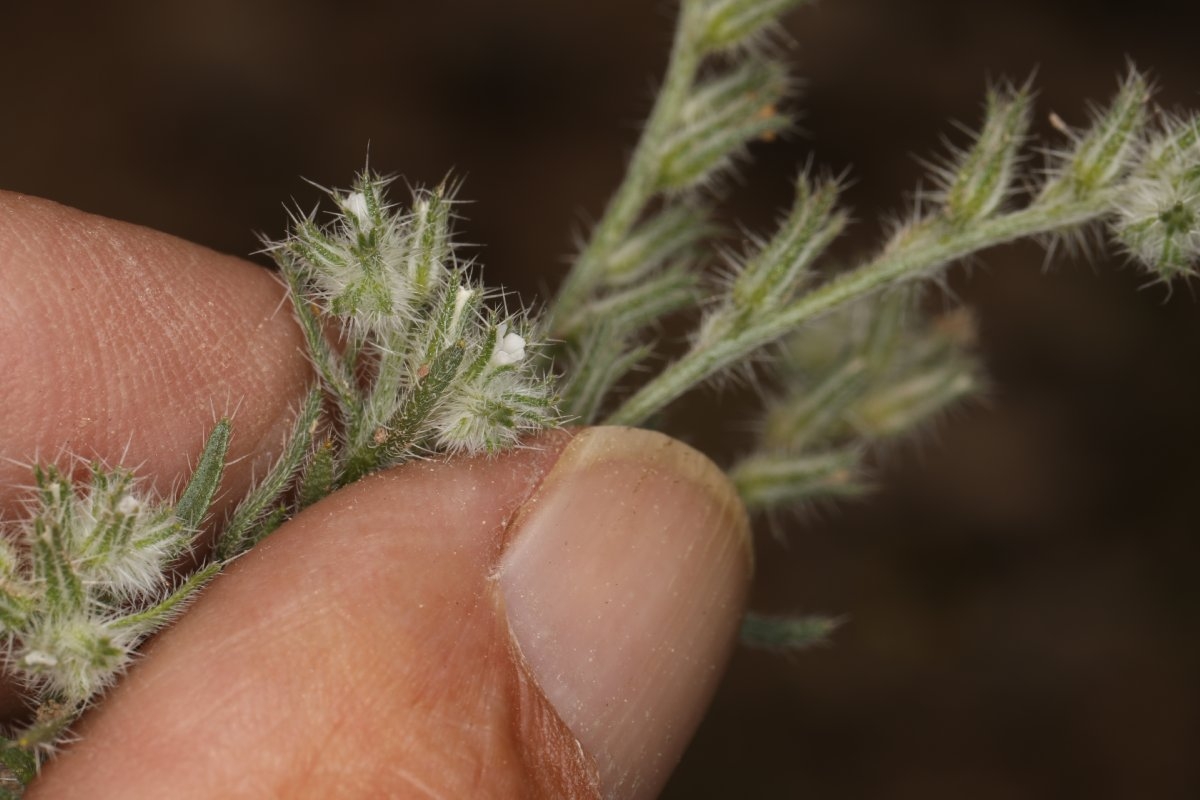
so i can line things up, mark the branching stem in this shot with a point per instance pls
(928, 247)
(641, 178)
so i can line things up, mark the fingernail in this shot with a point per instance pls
(624, 580)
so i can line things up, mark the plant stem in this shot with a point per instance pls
(909, 260)
(641, 179)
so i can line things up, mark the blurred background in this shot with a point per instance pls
(1020, 595)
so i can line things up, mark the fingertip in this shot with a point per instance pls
(123, 344)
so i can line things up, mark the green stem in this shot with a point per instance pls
(242, 531)
(641, 179)
(335, 375)
(905, 262)
(151, 619)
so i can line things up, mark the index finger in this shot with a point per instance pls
(124, 345)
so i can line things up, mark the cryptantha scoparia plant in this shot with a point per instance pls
(416, 357)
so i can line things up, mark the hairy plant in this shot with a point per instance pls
(416, 357)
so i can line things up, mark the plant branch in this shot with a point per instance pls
(916, 253)
(641, 179)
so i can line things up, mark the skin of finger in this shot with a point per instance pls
(362, 651)
(126, 345)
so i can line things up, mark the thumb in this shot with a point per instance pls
(547, 623)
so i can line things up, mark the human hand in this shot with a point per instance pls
(547, 623)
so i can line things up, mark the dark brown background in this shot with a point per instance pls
(1021, 595)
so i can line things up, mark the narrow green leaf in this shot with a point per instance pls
(720, 118)
(269, 491)
(982, 177)
(779, 480)
(886, 333)
(669, 234)
(197, 497)
(787, 633)
(597, 361)
(773, 275)
(64, 589)
(455, 304)
(734, 23)
(311, 246)
(902, 404)
(320, 474)
(407, 429)
(812, 414)
(334, 375)
(267, 525)
(1103, 153)
(429, 249)
(393, 353)
(149, 620)
(482, 362)
(631, 308)
(15, 608)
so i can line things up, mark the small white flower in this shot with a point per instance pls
(461, 297)
(355, 204)
(128, 505)
(510, 347)
(38, 658)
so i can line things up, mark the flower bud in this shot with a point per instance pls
(1158, 217)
